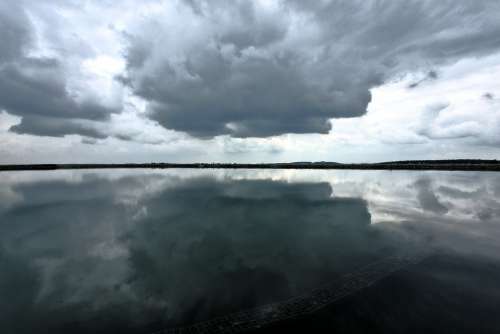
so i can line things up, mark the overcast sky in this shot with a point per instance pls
(248, 81)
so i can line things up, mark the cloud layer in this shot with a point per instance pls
(258, 69)
(124, 77)
(36, 87)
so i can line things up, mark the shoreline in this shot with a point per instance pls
(446, 165)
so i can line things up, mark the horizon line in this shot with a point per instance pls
(436, 164)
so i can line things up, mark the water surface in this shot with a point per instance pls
(144, 250)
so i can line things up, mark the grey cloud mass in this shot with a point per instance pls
(431, 75)
(240, 68)
(35, 87)
(248, 70)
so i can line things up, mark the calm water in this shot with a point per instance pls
(144, 250)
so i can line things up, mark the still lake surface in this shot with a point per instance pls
(138, 251)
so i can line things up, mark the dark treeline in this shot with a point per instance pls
(453, 161)
(459, 164)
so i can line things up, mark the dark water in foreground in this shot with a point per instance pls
(140, 251)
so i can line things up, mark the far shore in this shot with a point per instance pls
(450, 165)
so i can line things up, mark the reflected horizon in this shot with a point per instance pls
(140, 251)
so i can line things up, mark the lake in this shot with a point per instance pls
(145, 251)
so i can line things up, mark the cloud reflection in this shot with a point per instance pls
(142, 250)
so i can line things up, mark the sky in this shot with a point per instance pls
(248, 81)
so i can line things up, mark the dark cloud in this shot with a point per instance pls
(56, 127)
(36, 88)
(15, 31)
(431, 75)
(415, 32)
(427, 197)
(89, 141)
(244, 68)
(265, 98)
(187, 251)
(250, 71)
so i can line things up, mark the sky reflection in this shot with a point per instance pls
(136, 251)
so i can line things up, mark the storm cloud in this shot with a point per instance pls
(223, 77)
(258, 69)
(154, 249)
(36, 88)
